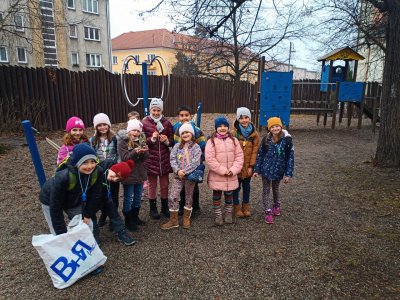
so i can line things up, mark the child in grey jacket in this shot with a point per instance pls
(185, 158)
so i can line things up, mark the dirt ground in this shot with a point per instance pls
(338, 236)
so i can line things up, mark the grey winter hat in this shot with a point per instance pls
(157, 102)
(243, 111)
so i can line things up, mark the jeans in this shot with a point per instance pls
(132, 193)
(112, 212)
(245, 183)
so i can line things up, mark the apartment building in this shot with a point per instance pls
(71, 34)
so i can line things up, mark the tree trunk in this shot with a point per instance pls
(388, 149)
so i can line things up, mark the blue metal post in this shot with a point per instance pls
(199, 110)
(145, 89)
(30, 139)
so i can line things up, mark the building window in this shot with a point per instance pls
(151, 72)
(216, 70)
(19, 23)
(3, 54)
(93, 60)
(137, 58)
(71, 4)
(115, 60)
(21, 55)
(150, 57)
(90, 6)
(137, 72)
(92, 34)
(72, 31)
(75, 59)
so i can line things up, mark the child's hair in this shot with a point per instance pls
(134, 114)
(229, 135)
(68, 139)
(185, 108)
(182, 143)
(96, 139)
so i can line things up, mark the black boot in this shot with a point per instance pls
(153, 209)
(196, 202)
(164, 207)
(102, 219)
(128, 221)
(135, 216)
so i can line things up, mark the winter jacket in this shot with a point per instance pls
(223, 156)
(275, 160)
(139, 172)
(249, 146)
(66, 150)
(57, 194)
(198, 135)
(158, 161)
(110, 151)
(179, 161)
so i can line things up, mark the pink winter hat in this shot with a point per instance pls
(74, 122)
(134, 125)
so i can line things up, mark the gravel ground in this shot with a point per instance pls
(338, 236)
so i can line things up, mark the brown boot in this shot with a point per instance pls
(246, 210)
(186, 217)
(173, 220)
(238, 211)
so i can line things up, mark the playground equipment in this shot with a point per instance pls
(165, 83)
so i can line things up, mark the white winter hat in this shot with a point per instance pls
(157, 102)
(134, 125)
(101, 118)
(186, 127)
(243, 111)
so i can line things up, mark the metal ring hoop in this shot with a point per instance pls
(159, 59)
(123, 83)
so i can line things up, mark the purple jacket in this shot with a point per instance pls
(158, 161)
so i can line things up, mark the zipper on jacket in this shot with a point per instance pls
(227, 164)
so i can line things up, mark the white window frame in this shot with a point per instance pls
(6, 60)
(71, 7)
(94, 60)
(137, 56)
(91, 33)
(151, 73)
(150, 57)
(77, 59)
(76, 31)
(26, 56)
(17, 27)
(94, 4)
(115, 60)
(137, 72)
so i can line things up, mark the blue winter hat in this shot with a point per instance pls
(81, 153)
(221, 120)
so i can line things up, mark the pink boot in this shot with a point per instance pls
(276, 211)
(268, 217)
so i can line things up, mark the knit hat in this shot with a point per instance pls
(81, 153)
(274, 121)
(123, 169)
(157, 102)
(186, 127)
(221, 120)
(74, 122)
(101, 118)
(134, 125)
(243, 111)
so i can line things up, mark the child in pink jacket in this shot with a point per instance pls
(224, 157)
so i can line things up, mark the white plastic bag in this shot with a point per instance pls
(69, 256)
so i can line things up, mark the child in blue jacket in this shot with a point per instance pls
(275, 161)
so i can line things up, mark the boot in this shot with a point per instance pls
(126, 239)
(196, 211)
(128, 221)
(135, 216)
(228, 214)
(246, 209)
(153, 209)
(164, 208)
(186, 217)
(219, 221)
(238, 211)
(173, 220)
(102, 219)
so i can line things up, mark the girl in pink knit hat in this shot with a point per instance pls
(75, 129)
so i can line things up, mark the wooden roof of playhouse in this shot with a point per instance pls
(345, 53)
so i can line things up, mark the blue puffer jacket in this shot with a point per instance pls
(275, 160)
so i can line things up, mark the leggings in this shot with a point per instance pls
(275, 191)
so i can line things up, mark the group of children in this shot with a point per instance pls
(89, 171)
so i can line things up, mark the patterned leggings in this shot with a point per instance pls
(217, 202)
(176, 188)
(275, 192)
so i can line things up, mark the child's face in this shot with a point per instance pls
(76, 133)
(103, 128)
(184, 116)
(276, 129)
(244, 121)
(222, 129)
(186, 136)
(155, 112)
(112, 176)
(88, 166)
(134, 133)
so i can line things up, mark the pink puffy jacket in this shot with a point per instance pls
(220, 158)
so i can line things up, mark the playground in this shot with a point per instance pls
(337, 237)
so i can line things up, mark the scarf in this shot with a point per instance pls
(158, 122)
(246, 131)
(221, 137)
